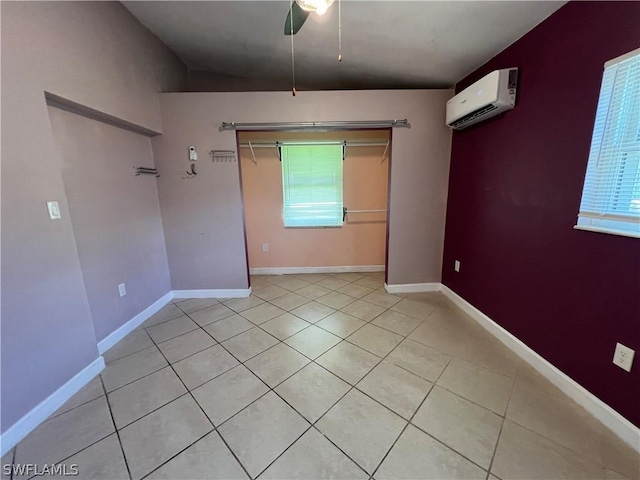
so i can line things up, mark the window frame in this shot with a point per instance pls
(338, 216)
(611, 171)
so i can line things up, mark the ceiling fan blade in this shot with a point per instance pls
(299, 17)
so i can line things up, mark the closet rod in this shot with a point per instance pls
(315, 125)
(348, 144)
(364, 211)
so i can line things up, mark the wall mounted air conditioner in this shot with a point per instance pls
(489, 96)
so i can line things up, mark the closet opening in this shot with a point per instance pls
(315, 201)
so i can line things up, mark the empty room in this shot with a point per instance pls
(320, 239)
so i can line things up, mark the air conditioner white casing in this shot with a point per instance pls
(492, 94)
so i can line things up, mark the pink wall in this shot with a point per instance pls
(514, 192)
(96, 54)
(115, 217)
(203, 218)
(360, 241)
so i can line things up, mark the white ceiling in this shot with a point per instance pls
(385, 44)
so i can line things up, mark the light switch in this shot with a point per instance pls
(54, 210)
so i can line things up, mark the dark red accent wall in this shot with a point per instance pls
(514, 192)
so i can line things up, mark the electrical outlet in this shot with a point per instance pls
(456, 265)
(121, 290)
(265, 247)
(623, 357)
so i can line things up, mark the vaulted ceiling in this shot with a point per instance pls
(385, 44)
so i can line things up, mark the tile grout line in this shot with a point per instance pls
(365, 322)
(313, 360)
(410, 420)
(450, 447)
(55, 414)
(128, 354)
(90, 444)
(471, 401)
(352, 387)
(329, 306)
(146, 475)
(77, 452)
(189, 392)
(312, 425)
(285, 450)
(139, 378)
(334, 289)
(157, 323)
(452, 357)
(556, 442)
(217, 302)
(433, 384)
(156, 344)
(143, 328)
(504, 418)
(115, 427)
(215, 429)
(270, 389)
(341, 450)
(197, 351)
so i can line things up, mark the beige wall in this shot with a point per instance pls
(362, 238)
(96, 54)
(203, 216)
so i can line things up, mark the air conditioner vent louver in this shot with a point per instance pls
(491, 95)
(470, 116)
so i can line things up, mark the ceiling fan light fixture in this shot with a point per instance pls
(318, 6)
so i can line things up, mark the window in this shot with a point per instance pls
(312, 184)
(611, 194)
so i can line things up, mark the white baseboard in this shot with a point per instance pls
(53, 402)
(412, 287)
(228, 293)
(124, 330)
(49, 405)
(303, 270)
(619, 425)
(615, 422)
(114, 337)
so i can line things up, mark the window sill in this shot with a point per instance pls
(609, 231)
(312, 226)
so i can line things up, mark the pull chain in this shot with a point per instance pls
(293, 59)
(339, 30)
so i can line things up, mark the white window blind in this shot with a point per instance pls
(312, 184)
(611, 193)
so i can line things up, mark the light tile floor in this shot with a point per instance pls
(284, 385)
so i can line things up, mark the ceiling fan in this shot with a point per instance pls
(299, 12)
